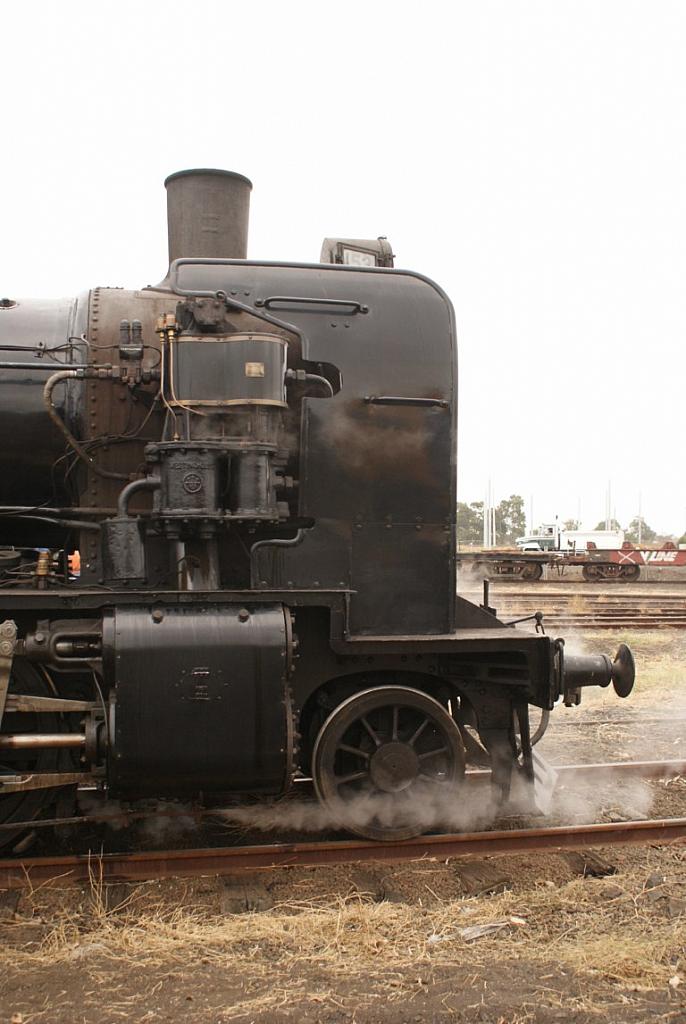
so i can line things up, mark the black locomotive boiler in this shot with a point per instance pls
(256, 463)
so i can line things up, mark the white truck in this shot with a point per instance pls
(550, 537)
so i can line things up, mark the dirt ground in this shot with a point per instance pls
(542, 938)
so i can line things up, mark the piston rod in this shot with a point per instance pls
(32, 741)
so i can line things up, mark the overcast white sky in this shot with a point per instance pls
(529, 156)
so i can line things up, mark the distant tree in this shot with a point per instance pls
(571, 524)
(682, 539)
(647, 533)
(510, 519)
(470, 523)
(614, 525)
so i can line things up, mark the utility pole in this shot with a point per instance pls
(640, 520)
(489, 518)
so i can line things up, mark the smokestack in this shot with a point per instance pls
(207, 214)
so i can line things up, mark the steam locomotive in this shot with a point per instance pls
(256, 464)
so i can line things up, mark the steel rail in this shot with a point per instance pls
(132, 867)
(644, 769)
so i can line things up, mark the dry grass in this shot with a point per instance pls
(629, 942)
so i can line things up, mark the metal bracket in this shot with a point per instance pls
(8, 645)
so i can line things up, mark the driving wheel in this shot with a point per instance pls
(381, 756)
(26, 806)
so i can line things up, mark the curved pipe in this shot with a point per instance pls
(148, 483)
(318, 379)
(542, 726)
(52, 412)
(277, 542)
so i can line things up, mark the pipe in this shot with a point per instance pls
(148, 483)
(318, 379)
(277, 542)
(70, 524)
(51, 510)
(44, 367)
(542, 726)
(32, 741)
(50, 385)
(207, 214)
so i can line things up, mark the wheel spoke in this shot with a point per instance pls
(353, 777)
(418, 732)
(371, 732)
(354, 750)
(394, 726)
(432, 753)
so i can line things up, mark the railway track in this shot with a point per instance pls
(137, 867)
(581, 608)
(140, 866)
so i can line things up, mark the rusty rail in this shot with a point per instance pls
(644, 769)
(131, 867)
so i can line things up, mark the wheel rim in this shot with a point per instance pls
(27, 806)
(378, 753)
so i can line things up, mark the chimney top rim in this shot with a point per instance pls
(208, 171)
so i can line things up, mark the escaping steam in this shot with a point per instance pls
(427, 807)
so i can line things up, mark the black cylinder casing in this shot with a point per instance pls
(199, 700)
(220, 372)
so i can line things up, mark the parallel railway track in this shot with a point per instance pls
(140, 866)
(586, 608)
